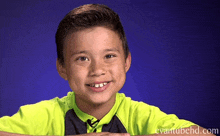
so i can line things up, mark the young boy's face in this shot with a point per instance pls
(95, 64)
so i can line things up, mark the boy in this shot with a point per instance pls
(93, 56)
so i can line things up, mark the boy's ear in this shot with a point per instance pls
(61, 70)
(128, 62)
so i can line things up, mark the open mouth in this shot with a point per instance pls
(98, 85)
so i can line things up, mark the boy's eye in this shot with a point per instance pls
(109, 56)
(82, 59)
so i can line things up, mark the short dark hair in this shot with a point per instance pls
(88, 16)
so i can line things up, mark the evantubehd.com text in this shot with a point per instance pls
(189, 130)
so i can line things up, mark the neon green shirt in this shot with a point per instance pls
(62, 116)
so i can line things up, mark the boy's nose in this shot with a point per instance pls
(97, 69)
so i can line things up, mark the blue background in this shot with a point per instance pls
(175, 47)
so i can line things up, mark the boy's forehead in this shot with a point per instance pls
(95, 37)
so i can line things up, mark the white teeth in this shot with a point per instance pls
(101, 85)
(98, 85)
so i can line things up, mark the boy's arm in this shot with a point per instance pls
(89, 134)
(10, 134)
(190, 131)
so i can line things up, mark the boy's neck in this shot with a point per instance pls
(99, 110)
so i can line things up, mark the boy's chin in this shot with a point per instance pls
(102, 100)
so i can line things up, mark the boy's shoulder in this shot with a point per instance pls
(128, 104)
(62, 104)
(44, 115)
(147, 118)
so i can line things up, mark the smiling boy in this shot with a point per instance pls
(93, 56)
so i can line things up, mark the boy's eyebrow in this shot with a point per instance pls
(112, 49)
(79, 52)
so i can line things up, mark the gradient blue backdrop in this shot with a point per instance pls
(175, 47)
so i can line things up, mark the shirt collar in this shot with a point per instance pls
(105, 120)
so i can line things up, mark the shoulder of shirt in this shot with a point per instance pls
(53, 105)
(133, 114)
(65, 103)
(126, 103)
(142, 118)
(39, 115)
